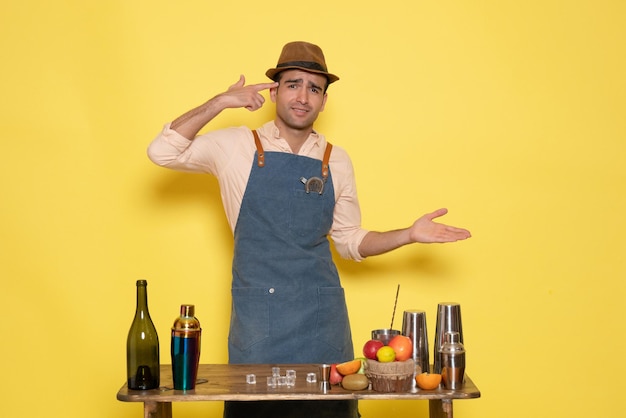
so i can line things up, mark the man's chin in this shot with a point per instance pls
(299, 125)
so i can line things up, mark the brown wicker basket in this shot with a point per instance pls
(395, 376)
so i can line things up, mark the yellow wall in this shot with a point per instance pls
(509, 113)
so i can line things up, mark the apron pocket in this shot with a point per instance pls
(250, 317)
(333, 326)
(307, 213)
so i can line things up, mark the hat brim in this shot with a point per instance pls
(272, 72)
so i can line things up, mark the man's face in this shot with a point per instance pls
(299, 98)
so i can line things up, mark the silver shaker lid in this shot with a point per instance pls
(452, 343)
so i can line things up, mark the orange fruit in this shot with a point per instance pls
(349, 367)
(386, 354)
(428, 381)
(403, 346)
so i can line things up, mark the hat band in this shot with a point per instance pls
(303, 64)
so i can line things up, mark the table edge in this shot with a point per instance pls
(164, 394)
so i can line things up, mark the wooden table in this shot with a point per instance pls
(227, 382)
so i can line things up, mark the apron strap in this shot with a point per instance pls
(259, 148)
(329, 148)
(261, 153)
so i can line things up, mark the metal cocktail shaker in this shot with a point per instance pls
(185, 348)
(414, 327)
(448, 320)
(453, 361)
(385, 335)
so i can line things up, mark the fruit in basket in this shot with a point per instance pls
(386, 354)
(355, 381)
(362, 369)
(335, 377)
(428, 381)
(371, 347)
(403, 347)
(349, 367)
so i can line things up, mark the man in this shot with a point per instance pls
(285, 189)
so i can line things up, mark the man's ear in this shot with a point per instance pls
(324, 102)
(273, 93)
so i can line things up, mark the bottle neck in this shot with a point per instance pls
(142, 299)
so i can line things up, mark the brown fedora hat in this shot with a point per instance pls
(303, 56)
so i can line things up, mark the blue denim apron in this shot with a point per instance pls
(288, 305)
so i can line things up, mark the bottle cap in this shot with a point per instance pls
(187, 310)
(453, 337)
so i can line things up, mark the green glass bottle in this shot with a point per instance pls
(142, 346)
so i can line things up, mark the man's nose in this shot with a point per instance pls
(303, 96)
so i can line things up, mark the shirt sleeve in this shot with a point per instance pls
(172, 150)
(207, 153)
(226, 154)
(346, 231)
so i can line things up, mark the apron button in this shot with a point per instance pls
(271, 290)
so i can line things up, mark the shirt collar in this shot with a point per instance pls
(314, 141)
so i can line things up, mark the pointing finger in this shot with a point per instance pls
(264, 86)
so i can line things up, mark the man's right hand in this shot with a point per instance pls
(239, 95)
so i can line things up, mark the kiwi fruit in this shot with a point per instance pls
(355, 381)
